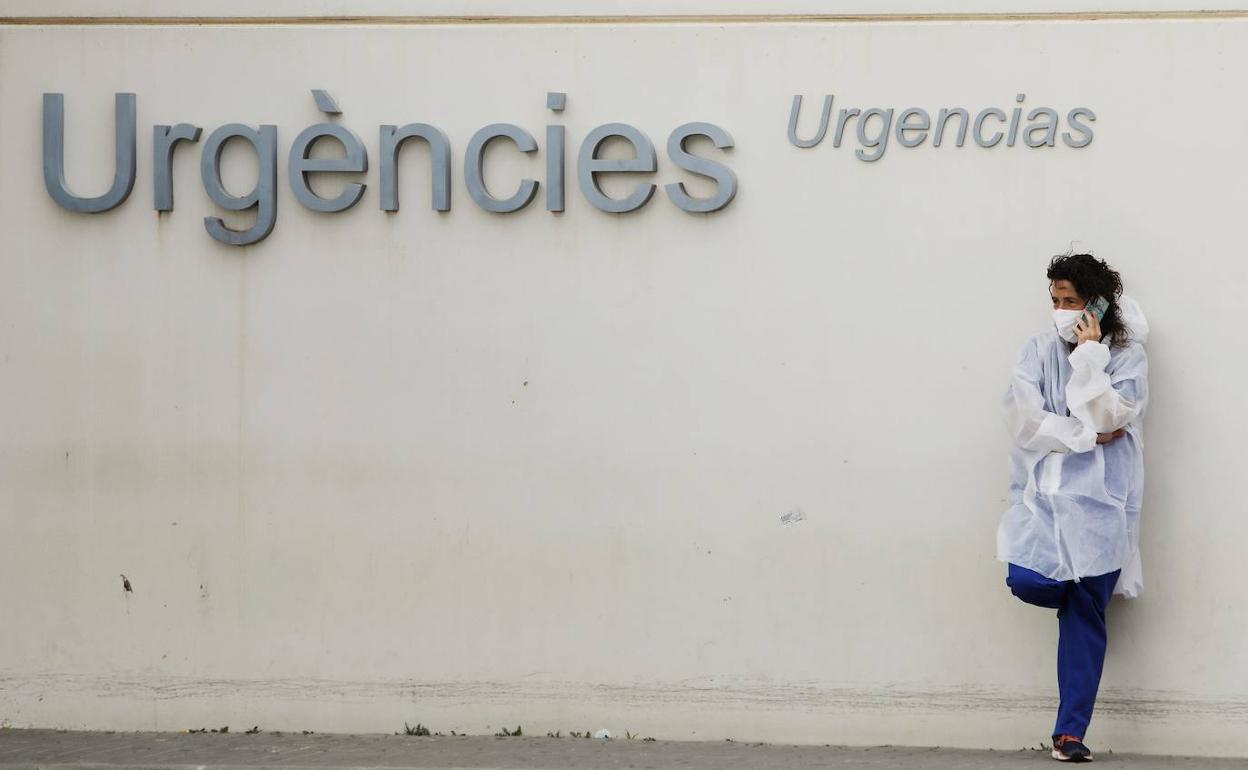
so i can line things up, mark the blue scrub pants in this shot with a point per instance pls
(1081, 637)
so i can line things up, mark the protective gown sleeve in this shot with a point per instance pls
(1105, 395)
(1031, 426)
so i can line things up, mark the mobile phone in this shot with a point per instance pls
(1099, 306)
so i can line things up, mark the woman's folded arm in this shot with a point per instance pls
(1104, 393)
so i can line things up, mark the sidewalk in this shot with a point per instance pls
(48, 749)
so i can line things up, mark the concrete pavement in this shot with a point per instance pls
(53, 750)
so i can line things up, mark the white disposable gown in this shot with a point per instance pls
(1075, 504)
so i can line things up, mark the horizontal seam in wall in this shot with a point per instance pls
(795, 18)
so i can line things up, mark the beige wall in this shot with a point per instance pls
(341, 507)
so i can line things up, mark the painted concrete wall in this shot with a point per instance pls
(478, 470)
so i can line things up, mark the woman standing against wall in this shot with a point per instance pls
(1074, 409)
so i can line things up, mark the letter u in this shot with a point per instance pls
(54, 155)
(796, 110)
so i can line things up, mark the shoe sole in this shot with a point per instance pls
(1060, 757)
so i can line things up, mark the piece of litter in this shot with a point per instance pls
(792, 517)
(603, 734)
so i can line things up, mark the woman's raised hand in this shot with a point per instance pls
(1088, 328)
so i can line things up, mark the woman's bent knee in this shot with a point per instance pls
(1034, 588)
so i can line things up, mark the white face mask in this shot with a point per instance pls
(1065, 321)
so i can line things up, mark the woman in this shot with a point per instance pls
(1074, 409)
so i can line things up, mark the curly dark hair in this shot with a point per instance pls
(1091, 278)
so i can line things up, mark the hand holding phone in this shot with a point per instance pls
(1088, 329)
